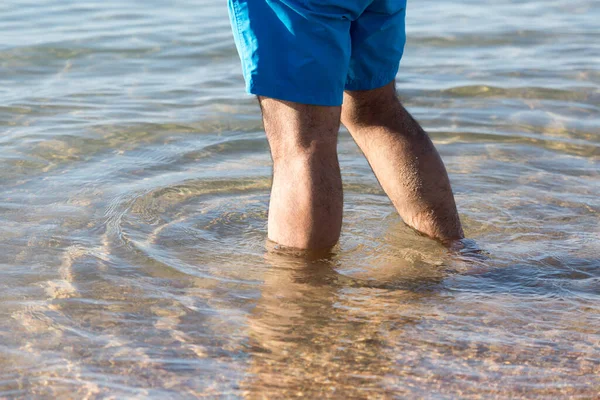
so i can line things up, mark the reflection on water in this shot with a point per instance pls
(327, 331)
(135, 178)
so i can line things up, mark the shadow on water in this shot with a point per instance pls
(400, 327)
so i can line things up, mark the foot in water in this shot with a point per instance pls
(466, 253)
(468, 248)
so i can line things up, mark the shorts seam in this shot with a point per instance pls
(237, 18)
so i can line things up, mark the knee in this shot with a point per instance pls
(371, 107)
(287, 150)
(300, 131)
(369, 113)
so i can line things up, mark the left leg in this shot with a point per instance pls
(295, 57)
(305, 210)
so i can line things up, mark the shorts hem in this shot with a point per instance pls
(375, 83)
(331, 100)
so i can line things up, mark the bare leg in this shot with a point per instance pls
(404, 160)
(305, 211)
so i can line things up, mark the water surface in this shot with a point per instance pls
(134, 186)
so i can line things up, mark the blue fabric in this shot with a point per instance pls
(310, 51)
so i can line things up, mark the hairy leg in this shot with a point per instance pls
(404, 160)
(305, 211)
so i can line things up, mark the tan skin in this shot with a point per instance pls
(305, 211)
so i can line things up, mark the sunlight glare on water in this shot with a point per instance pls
(135, 182)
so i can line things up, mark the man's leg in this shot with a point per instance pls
(404, 160)
(305, 211)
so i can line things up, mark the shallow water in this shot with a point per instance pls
(135, 179)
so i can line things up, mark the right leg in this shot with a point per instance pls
(404, 160)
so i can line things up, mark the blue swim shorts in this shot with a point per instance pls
(310, 51)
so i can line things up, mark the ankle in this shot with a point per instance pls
(429, 224)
